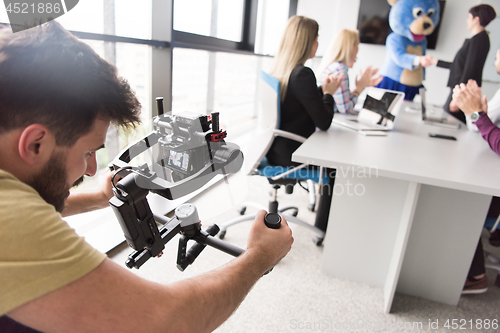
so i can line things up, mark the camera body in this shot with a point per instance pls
(188, 151)
(186, 144)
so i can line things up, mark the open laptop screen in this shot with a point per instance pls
(436, 115)
(381, 107)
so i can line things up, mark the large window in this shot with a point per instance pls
(133, 63)
(271, 21)
(127, 18)
(216, 81)
(3, 15)
(216, 18)
(236, 77)
(211, 74)
(190, 78)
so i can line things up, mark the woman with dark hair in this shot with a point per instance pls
(469, 60)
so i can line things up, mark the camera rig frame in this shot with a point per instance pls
(178, 138)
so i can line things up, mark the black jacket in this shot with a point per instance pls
(305, 107)
(469, 60)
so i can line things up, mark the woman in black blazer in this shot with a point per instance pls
(469, 60)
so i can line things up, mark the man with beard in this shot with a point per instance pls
(57, 100)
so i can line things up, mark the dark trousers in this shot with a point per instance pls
(457, 114)
(325, 200)
(477, 265)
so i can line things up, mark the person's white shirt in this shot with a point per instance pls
(493, 112)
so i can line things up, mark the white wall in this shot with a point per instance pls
(489, 72)
(334, 15)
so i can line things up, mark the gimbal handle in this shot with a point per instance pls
(203, 238)
(184, 257)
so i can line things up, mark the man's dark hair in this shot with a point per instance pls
(486, 14)
(49, 77)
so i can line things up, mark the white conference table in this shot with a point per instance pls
(407, 209)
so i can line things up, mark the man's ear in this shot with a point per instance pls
(392, 2)
(36, 144)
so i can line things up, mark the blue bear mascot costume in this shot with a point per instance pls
(411, 21)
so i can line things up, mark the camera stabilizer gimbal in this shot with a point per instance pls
(189, 151)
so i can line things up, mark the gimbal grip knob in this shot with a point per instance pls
(187, 214)
(272, 220)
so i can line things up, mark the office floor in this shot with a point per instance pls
(296, 295)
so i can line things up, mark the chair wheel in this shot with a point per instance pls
(311, 207)
(318, 240)
(222, 234)
(242, 211)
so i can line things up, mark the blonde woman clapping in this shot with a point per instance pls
(340, 56)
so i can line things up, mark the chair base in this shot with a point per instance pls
(312, 195)
(291, 218)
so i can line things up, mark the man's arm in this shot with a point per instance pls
(469, 99)
(113, 299)
(442, 64)
(82, 202)
(490, 132)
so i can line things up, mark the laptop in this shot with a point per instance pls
(378, 113)
(436, 115)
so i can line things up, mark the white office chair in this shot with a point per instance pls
(255, 162)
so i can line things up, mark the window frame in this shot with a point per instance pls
(189, 40)
(249, 32)
(200, 42)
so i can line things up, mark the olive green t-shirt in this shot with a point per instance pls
(39, 252)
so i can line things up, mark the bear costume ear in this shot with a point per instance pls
(392, 2)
